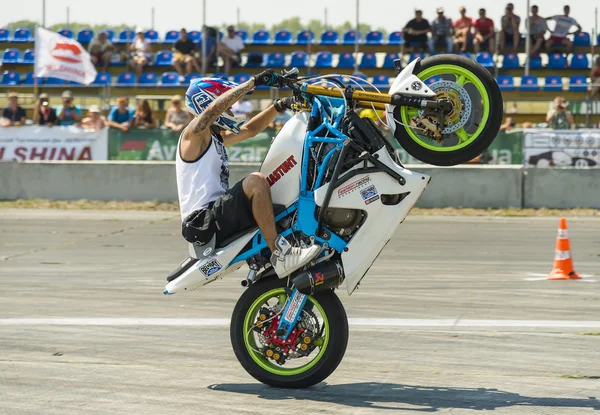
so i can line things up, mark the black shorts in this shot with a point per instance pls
(232, 213)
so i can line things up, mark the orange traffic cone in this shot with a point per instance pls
(563, 263)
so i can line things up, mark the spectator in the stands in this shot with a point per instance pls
(43, 113)
(94, 120)
(441, 33)
(462, 30)
(229, 48)
(537, 29)
(510, 29)
(121, 116)
(415, 32)
(68, 113)
(563, 24)
(559, 117)
(101, 50)
(14, 114)
(141, 52)
(595, 78)
(242, 108)
(484, 33)
(177, 118)
(143, 116)
(184, 61)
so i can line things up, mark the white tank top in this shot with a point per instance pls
(203, 180)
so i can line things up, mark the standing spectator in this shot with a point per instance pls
(43, 113)
(184, 55)
(561, 30)
(120, 117)
(462, 30)
(242, 108)
(141, 52)
(415, 32)
(101, 50)
(13, 115)
(537, 29)
(484, 32)
(68, 113)
(94, 120)
(559, 117)
(143, 116)
(177, 118)
(441, 32)
(230, 47)
(595, 78)
(510, 29)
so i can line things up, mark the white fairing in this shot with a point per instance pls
(283, 164)
(364, 192)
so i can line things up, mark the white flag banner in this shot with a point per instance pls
(57, 56)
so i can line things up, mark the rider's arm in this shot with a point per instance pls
(252, 127)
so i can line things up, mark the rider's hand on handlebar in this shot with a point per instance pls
(267, 78)
(283, 104)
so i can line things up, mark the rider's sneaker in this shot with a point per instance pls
(287, 259)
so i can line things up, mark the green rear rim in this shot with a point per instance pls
(463, 76)
(251, 346)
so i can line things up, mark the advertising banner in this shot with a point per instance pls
(561, 148)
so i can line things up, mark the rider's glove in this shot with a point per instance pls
(283, 104)
(267, 78)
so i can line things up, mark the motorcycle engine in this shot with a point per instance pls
(342, 221)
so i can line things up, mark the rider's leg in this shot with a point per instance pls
(258, 192)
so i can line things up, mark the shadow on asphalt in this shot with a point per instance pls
(417, 398)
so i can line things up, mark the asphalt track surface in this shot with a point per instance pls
(454, 317)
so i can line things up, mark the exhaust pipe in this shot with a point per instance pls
(321, 277)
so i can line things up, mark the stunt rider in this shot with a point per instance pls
(209, 207)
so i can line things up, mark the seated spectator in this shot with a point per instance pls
(415, 32)
(561, 30)
(559, 117)
(94, 120)
(229, 48)
(120, 117)
(510, 29)
(184, 50)
(537, 29)
(68, 113)
(14, 114)
(143, 116)
(140, 52)
(211, 47)
(595, 78)
(43, 113)
(242, 108)
(441, 33)
(484, 33)
(101, 50)
(177, 118)
(462, 30)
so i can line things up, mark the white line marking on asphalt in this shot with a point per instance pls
(358, 322)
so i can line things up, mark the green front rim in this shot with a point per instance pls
(463, 76)
(262, 361)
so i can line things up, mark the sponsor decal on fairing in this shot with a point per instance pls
(369, 195)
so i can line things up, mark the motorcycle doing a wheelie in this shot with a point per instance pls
(338, 183)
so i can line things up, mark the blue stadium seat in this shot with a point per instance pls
(582, 39)
(110, 34)
(126, 36)
(324, 60)
(254, 56)
(578, 83)
(10, 78)
(535, 63)
(4, 34)
(171, 37)
(29, 79)
(22, 35)
(164, 58)
(346, 60)
(152, 36)
(11, 56)
(304, 37)
(382, 82)
(261, 37)
(54, 81)
(28, 57)
(598, 40)
(102, 78)
(506, 83)
(220, 75)
(66, 33)
(556, 61)
(374, 37)
(465, 54)
(579, 61)
(275, 60)
(148, 79)
(241, 78)
(283, 37)
(432, 80)
(359, 79)
(553, 83)
(190, 76)
(529, 83)
(196, 36)
(170, 79)
(368, 60)
(388, 62)
(329, 37)
(85, 35)
(485, 59)
(510, 61)
(414, 56)
(299, 60)
(350, 37)
(126, 79)
(395, 38)
(241, 33)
